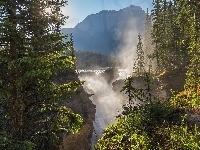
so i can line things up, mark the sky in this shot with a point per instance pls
(78, 10)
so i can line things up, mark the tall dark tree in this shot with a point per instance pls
(177, 44)
(157, 27)
(148, 43)
(139, 64)
(31, 53)
(168, 37)
(191, 28)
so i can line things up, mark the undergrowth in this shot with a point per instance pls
(151, 123)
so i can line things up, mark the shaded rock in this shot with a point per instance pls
(194, 118)
(80, 103)
(117, 85)
(162, 85)
(172, 80)
(110, 75)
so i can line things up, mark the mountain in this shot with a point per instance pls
(100, 32)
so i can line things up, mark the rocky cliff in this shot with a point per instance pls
(162, 85)
(80, 103)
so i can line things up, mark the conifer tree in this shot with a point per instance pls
(170, 42)
(148, 43)
(140, 56)
(193, 72)
(157, 28)
(161, 33)
(177, 48)
(32, 51)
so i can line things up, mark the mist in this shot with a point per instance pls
(128, 38)
(109, 103)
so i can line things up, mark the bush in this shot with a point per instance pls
(185, 100)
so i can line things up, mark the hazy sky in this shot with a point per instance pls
(78, 10)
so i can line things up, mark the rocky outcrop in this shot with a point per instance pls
(172, 80)
(110, 75)
(80, 103)
(162, 85)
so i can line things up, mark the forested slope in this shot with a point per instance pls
(148, 120)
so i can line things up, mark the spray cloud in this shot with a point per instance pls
(128, 37)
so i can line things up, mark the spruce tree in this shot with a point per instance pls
(140, 56)
(157, 28)
(188, 21)
(177, 48)
(32, 52)
(193, 72)
(169, 39)
(148, 43)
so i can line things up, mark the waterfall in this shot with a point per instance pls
(108, 103)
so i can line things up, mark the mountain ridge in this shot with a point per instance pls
(99, 32)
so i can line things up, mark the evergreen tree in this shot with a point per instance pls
(140, 56)
(160, 33)
(31, 53)
(148, 43)
(170, 42)
(188, 21)
(177, 48)
(193, 72)
(157, 28)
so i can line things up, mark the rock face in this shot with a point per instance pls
(110, 75)
(162, 86)
(103, 31)
(174, 80)
(80, 103)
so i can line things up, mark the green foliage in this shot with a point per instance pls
(8, 144)
(140, 55)
(132, 133)
(32, 54)
(139, 62)
(169, 40)
(185, 100)
(142, 94)
(193, 73)
(123, 135)
(175, 28)
(179, 137)
(189, 97)
(149, 124)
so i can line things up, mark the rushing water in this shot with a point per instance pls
(108, 103)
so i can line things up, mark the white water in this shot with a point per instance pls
(108, 103)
